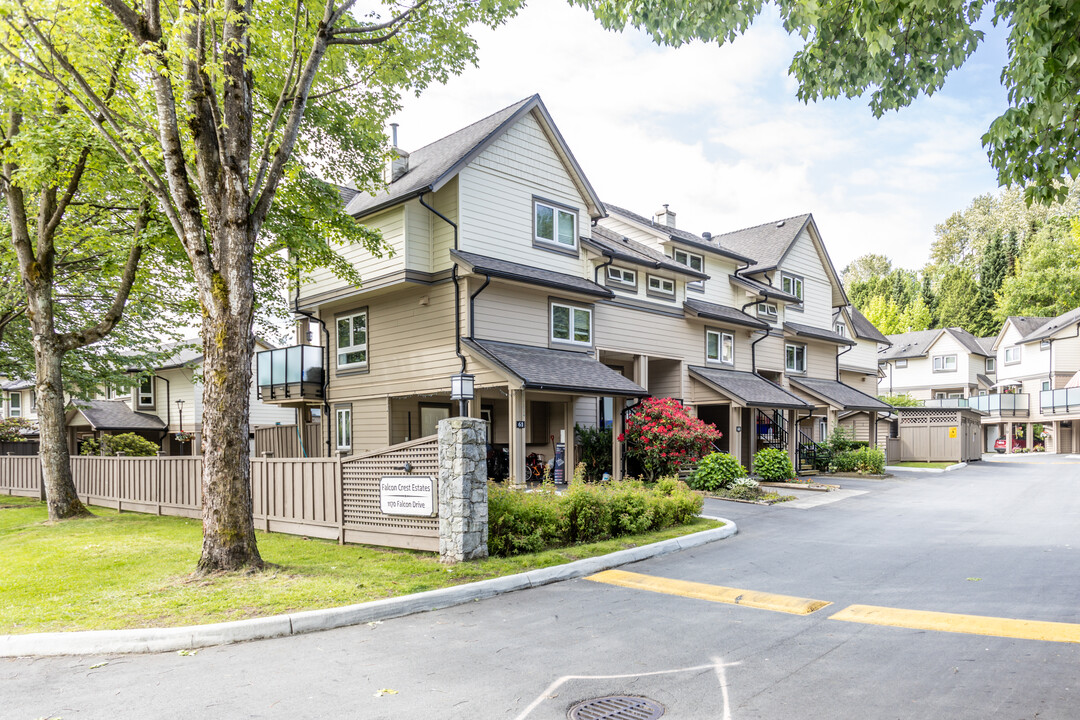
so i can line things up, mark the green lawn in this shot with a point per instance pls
(932, 465)
(130, 570)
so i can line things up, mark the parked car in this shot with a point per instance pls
(1018, 444)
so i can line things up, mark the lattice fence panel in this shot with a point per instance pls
(360, 487)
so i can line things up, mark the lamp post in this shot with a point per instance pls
(461, 389)
(180, 413)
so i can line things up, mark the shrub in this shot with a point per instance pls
(863, 460)
(716, 471)
(595, 450)
(662, 437)
(773, 464)
(521, 522)
(130, 444)
(14, 429)
(589, 513)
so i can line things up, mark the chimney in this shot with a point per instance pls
(399, 164)
(665, 217)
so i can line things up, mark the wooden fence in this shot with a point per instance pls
(332, 498)
(25, 447)
(282, 441)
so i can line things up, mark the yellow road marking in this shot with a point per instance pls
(713, 593)
(970, 624)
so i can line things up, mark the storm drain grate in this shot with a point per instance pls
(616, 707)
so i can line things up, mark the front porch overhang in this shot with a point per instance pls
(839, 395)
(747, 389)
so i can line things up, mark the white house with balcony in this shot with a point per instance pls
(943, 364)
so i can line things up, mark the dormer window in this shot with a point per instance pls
(554, 225)
(692, 261)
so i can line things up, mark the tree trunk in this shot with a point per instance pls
(63, 500)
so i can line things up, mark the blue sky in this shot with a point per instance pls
(717, 133)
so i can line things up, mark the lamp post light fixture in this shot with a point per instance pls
(180, 413)
(462, 390)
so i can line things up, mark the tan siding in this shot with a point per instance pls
(446, 202)
(770, 354)
(821, 360)
(1066, 355)
(514, 314)
(803, 260)
(586, 412)
(418, 240)
(392, 225)
(863, 355)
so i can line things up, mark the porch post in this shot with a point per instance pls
(641, 370)
(517, 438)
(793, 439)
(617, 403)
(1029, 442)
(568, 455)
(1009, 438)
(872, 414)
(1055, 436)
(734, 436)
(475, 405)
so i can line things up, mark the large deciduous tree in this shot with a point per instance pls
(897, 50)
(221, 100)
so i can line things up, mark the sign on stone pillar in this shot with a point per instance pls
(463, 500)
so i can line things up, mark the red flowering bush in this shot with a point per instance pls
(663, 437)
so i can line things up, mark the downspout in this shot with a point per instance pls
(326, 360)
(849, 349)
(596, 272)
(457, 285)
(168, 409)
(753, 348)
(472, 298)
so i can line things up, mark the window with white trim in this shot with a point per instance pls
(33, 401)
(621, 276)
(954, 396)
(146, 392)
(944, 363)
(661, 286)
(15, 404)
(767, 310)
(795, 358)
(901, 363)
(119, 393)
(1012, 354)
(939, 396)
(991, 365)
(554, 225)
(352, 350)
(571, 324)
(719, 347)
(344, 428)
(841, 329)
(1045, 385)
(792, 285)
(692, 261)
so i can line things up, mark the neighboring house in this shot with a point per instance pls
(943, 364)
(499, 271)
(161, 405)
(18, 399)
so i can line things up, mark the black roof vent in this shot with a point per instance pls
(781, 223)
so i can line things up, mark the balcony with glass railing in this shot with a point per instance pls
(1060, 402)
(291, 375)
(996, 405)
(946, 403)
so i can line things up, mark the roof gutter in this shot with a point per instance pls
(457, 285)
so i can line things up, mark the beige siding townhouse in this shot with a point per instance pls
(947, 364)
(500, 273)
(18, 399)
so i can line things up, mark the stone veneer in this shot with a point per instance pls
(463, 500)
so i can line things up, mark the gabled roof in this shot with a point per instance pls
(839, 395)
(682, 236)
(722, 313)
(507, 270)
(865, 330)
(14, 385)
(816, 333)
(987, 344)
(1028, 325)
(747, 389)
(1053, 326)
(968, 340)
(115, 415)
(436, 164)
(763, 289)
(917, 344)
(768, 241)
(623, 248)
(540, 368)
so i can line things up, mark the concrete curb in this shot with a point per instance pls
(957, 466)
(150, 640)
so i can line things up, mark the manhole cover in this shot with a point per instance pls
(616, 707)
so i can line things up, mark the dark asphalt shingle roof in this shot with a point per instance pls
(13, 385)
(723, 313)
(767, 242)
(1028, 325)
(865, 330)
(764, 289)
(987, 344)
(747, 388)
(968, 340)
(543, 368)
(817, 333)
(623, 248)
(529, 274)
(117, 415)
(839, 394)
(1053, 325)
(909, 345)
(984, 380)
(682, 236)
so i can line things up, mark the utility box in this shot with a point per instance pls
(929, 434)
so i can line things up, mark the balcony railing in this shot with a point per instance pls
(291, 374)
(1002, 404)
(1056, 402)
(946, 403)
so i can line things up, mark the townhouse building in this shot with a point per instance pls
(18, 399)
(942, 364)
(507, 267)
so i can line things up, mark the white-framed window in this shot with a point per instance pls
(1012, 354)
(1045, 385)
(571, 324)
(955, 396)
(795, 358)
(352, 351)
(146, 392)
(554, 225)
(621, 276)
(692, 261)
(939, 396)
(792, 285)
(15, 404)
(944, 363)
(991, 365)
(767, 310)
(901, 363)
(119, 393)
(1044, 345)
(719, 347)
(841, 329)
(344, 428)
(982, 393)
(33, 401)
(661, 286)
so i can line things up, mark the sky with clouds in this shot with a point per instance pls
(717, 133)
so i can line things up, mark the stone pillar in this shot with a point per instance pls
(617, 404)
(463, 500)
(517, 438)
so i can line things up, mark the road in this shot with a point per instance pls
(994, 540)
